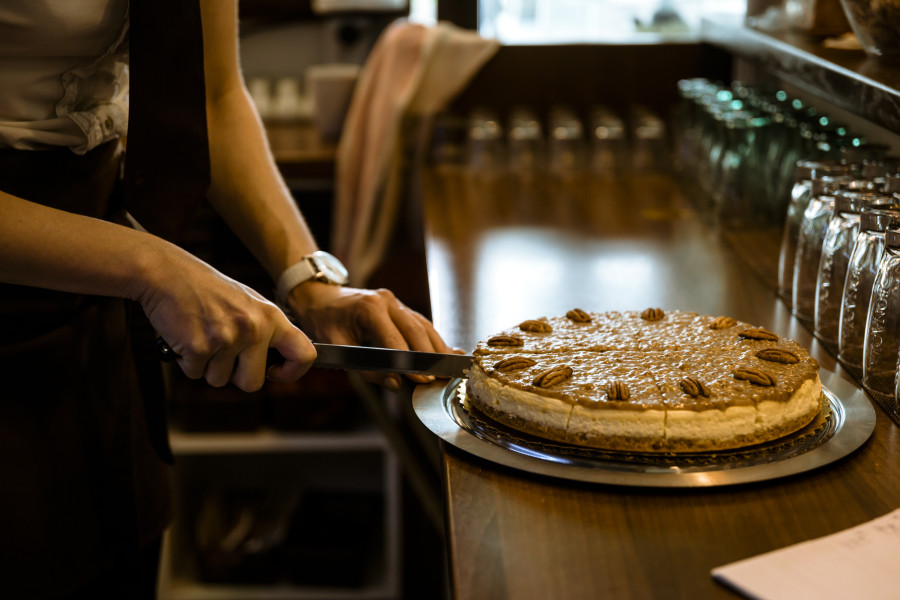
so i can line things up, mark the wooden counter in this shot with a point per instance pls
(502, 249)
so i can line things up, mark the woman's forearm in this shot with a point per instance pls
(220, 328)
(247, 189)
(49, 248)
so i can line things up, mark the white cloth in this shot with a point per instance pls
(412, 70)
(63, 73)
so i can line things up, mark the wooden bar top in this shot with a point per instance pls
(502, 248)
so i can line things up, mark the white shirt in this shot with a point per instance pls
(63, 73)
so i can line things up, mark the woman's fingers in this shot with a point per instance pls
(220, 367)
(295, 356)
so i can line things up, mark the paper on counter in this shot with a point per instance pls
(860, 562)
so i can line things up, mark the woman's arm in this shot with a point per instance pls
(221, 329)
(248, 191)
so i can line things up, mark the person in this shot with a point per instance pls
(85, 497)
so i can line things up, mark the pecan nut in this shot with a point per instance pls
(578, 315)
(755, 376)
(778, 355)
(553, 376)
(535, 326)
(505, 340)
(653, 314)
(758, 334)
(693, 387)
(722, 323)
(514, 363)
(618, 390)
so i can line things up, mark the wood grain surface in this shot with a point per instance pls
(503, 247)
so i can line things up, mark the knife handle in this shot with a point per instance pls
(166, 354)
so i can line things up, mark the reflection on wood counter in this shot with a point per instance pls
(504, 248)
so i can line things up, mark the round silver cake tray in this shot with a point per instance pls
(846, 422)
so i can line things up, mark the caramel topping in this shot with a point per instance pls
(553, 376)
(514, 363)
(505, 340)
(535, 326)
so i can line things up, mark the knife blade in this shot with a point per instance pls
(367, 358)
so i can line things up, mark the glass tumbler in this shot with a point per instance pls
(809, 245)
(837, 246)
(609, 142)
(892, 185)
(894, 408)
(565, 140)
(801, 194)
(524, 139)
(861, 270)
(882, 341)
(485, 148)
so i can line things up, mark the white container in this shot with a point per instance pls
(330, 88)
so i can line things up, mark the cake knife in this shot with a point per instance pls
(368, 358)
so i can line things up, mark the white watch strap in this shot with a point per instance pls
(293, 276)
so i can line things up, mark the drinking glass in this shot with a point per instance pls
(741, 200)
(837, 246)
(894, 408)
(891, 185)
(801, 194)
(809, 245)
(485, 148)
(649, 150)
(882, 341)
(565, 140)
(609, 142)
(876, 168)
(524, 139)
(863, 266)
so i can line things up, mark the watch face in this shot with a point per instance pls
(329, 268)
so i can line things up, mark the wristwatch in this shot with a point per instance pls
(318, 266)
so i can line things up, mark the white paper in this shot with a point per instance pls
(860, 562)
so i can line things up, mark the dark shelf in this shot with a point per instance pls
(866, 86)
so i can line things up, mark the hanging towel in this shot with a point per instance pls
(413, 70)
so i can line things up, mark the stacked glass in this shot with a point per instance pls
(740, 145)
(810, 240)
(868, 250)
(485, 149)
(609, 143)
(525, 138)
(882, 343)
(739, 196)
(837, 246)
(800, 196)
(566, 143)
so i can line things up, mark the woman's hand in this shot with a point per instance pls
(221, 329)
(359, 317)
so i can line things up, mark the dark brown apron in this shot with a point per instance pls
(82, 484)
